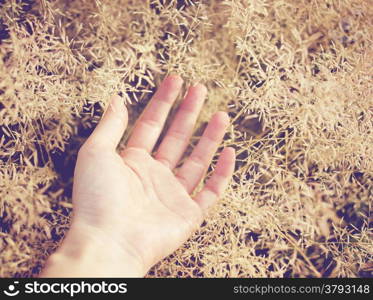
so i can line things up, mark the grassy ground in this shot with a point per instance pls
(295, 77)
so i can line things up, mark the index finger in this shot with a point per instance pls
(149, 126)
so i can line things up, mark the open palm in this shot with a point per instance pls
(137, 200)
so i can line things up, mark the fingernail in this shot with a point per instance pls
(200, 85)
(117, 103)
(174, 76)
(195, 82)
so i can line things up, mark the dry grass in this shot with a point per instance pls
(294, 75)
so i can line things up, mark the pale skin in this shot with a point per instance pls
(132, 209)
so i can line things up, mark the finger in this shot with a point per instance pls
(177, 137)
(149, 126)
(112, 125)
(218, 181)
(193, 169)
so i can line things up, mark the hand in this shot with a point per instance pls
(131, 209)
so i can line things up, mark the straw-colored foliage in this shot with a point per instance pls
(295, 77)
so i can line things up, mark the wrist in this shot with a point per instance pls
(85, 253)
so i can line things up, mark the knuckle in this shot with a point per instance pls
(164, 162)
(88, 149)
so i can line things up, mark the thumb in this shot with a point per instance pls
(112, 125)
